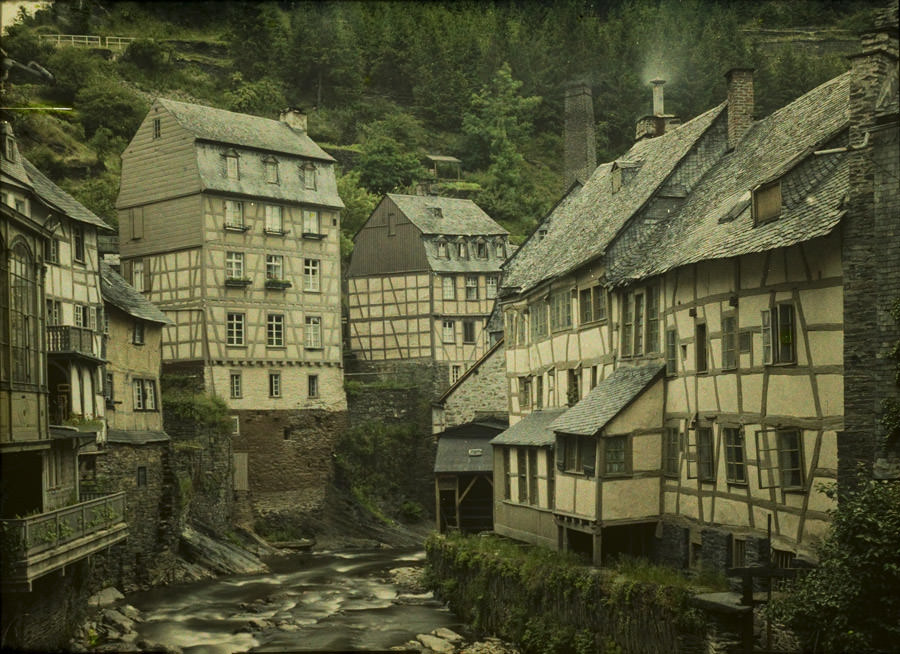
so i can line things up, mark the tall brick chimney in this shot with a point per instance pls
(581, 143)
(870, 252)
(740, 103)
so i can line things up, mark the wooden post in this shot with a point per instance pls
(437, 504)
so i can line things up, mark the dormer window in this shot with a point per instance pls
(442, 250)
(232, 168)
(461, 250)
(271, 166)
(157, 128)
(308, 176)
(9, 148)
(766, 202)
(498, 249)
(615, 179)
(481, 250)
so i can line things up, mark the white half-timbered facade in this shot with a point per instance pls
(423, 280)
(683, 313)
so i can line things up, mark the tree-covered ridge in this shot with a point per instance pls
(393, 81)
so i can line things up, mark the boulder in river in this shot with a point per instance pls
(106, 597)
(435, 644)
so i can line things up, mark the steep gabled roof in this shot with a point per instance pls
(582, 227)
(715, 221)
(606, 400)
(121, 294)
(534, 429)
(459, 217)
(62, 201)
(220, 126)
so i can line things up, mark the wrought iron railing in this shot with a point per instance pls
(65, 338)
(24, 538)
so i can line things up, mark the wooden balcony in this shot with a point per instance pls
(65, 339)
(39, 544)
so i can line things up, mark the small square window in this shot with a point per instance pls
(274, 384)
(312, 384)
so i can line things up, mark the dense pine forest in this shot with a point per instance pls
(385, 83)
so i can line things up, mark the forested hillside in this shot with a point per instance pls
(386, 83)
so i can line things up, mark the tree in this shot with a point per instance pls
(262, 97)
(850, 603)
(358, 206)
(384, 166)
(106, 104)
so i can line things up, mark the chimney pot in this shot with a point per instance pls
(740, 103)
(658, 106)
(293, 118)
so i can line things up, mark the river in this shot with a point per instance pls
(324, 601)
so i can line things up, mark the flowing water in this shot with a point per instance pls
(319, 602)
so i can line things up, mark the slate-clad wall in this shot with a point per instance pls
(483, 391)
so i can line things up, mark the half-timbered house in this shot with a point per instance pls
(46, 254)
(684, 313)
(422, 282)
(230, 224)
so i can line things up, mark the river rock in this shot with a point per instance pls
(409, 578)
(106, 597)
(219, 556)
(153, 646)
(435, 644)
(118, 621)
(447, 634)
(130, 612)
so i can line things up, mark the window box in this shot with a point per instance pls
(236, 228)
(276, 232)
(278, 284)
(315, 236)
(238, 281)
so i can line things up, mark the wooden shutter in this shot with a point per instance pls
(137, 222)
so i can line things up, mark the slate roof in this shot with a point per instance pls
(56, 197)
(121, 294)
(136, 437)
(454, 445)
(534, 429)
(606, 400)
(220, 126)
(583, 225)
(14, 169)
(782, 144)
(460, 217)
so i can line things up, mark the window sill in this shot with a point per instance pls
(276, 232)
(312, 397)
(278, 284)
(309, 290)
(276, 347)
(237, 228)
(310, 348)
(238, 283)
(314, 236)
(236, 345)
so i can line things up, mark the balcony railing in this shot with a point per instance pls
(64, 338)
(41, 543)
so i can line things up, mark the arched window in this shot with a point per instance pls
(23, 316)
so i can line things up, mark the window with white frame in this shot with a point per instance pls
(274, 384)
(137, 275)
(54, 312)
(507, 474)
(137, 333)
(471, 287)
(232, 169)
(234, 265)
(490, 287)
(524, 392)
(455, 371)
(311, 276)
(448, 286)
(560, 311)
(308, 171)
(633, 324)
(442, 251)
(448, 334)
(235, 384)
(51, 251)
(592, 304)
(498, 249)
(234, 329)
(312, 386)
(311, 223)
(92, 318)
(275, 330)
(461, 250)
(144, 394)
(538, 320)
(109, 390)
(234, 213)
(778, 337)
(313, 332)
(274, 219)
(779, 459)
(78, 243)
(23, 315)
(275, 266)
(735, 464)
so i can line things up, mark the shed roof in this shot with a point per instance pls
(123, 295)
(56, 197)
(606, 400)
(220, 126)
(136, 437)
(715, 220)
(467, 447)
(534, 429)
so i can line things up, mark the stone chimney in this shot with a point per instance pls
(869, 242)
(659, 122)
(740, 103)
(293, 118)
(581, 143)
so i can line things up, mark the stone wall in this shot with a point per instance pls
(481, 391)
(289, 457)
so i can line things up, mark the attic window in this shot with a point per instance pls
(498, 249)
(481, 250)
(615, 179)
(542, 232)
(308, 176)
(9, 148)
(766, 202)
(435, 212)
(157, 128)
(442, 250)
(232, 169)
(461, 250)
(271, 164)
